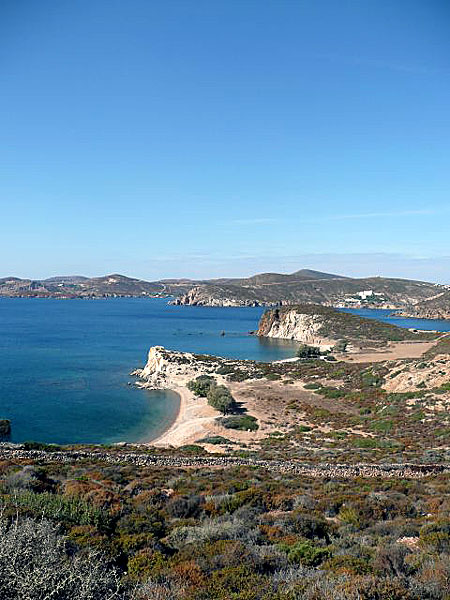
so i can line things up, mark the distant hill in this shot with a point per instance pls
(436, 307)
(114, 285)
(263, 289)
(307, 286)
(270, 278)
(65, 279)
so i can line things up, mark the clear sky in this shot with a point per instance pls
(219, 138)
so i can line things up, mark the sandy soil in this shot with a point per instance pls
(267, 401)
(194, 420)
(394, 351)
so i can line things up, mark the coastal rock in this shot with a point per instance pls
(5, 428)
(436, 307)
(169, 368)
(425, 313)
(323, 326)
(294, 325)
(203, 296)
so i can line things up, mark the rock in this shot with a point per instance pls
(5, 427)
(166, 369)
(323, 326)
(293, 325)
(208, 296)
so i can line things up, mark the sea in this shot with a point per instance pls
(65, 364)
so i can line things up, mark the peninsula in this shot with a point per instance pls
(318, 396)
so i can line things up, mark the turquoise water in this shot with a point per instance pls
(65, 364)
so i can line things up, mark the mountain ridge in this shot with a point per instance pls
(262, 289)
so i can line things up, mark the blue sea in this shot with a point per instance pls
(65, 364)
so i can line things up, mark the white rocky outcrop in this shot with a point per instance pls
(171, 369)
(167, 368)
(299, 327)
(209, 296)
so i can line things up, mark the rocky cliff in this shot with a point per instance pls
(169, 368)
(323, 326)
(210, 296)
(296, 325)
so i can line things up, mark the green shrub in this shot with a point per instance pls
(306, 351)
(305, 553)
(340, 346)
(331, 392)
(201, 385)
(383, 426)
(243, 423)
(273, 376)
(55, 507)
(214, 439)
(220, 398)
(312, 386)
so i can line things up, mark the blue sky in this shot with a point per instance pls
(221, 138)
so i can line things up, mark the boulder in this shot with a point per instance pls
(5, 427)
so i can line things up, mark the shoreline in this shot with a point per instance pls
(196, 420)
(193, 420)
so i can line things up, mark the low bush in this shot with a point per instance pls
(244, 423)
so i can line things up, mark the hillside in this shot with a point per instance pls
(341, 494)
(324, 326)
(264, 289)
(309, 287)
(114, 285)
(437, 307)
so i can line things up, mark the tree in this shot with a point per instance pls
(201, 385)
(306, 351)
(340, 346)
(220, 398)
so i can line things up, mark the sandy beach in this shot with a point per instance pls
(191, 423)
(197, 420)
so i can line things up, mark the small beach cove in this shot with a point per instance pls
(65, 364)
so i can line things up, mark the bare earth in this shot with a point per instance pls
(394, 351)
(266, 400)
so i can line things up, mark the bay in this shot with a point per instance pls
(65, 364)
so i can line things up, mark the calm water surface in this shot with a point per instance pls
(64, 364)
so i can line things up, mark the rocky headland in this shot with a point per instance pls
(325, 326)
(437, 307)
